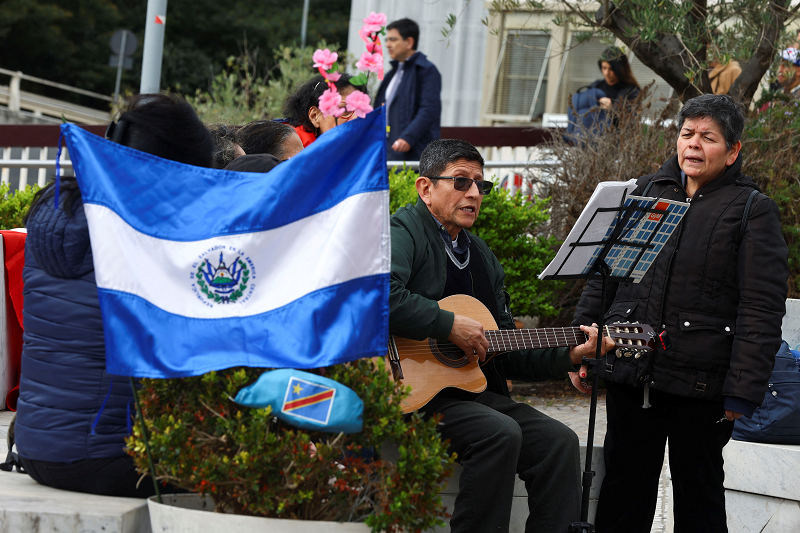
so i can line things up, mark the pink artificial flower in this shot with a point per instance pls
(370, 62)
(330, 76)
(375, 21)
(358, 102)
(329, 103)
(324, 59)
(374, 47)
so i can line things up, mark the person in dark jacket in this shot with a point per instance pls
(719, 295)
(495, 438)
(411, 92)
(72, 416)
(592, 104)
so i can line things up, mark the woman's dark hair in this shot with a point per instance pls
(162, 125)
(616, 58)
(264, 137)
(406, 28)
(306, 96)
(722, 109)
(224, 139)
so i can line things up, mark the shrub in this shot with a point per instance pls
(509, 224)
(771, 152)
(251, 463)
(14, 205)
(239, 95)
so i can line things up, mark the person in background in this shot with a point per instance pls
(592, 104)
(411, 92)
(716, 295)
(73, 417)
(789, 72)
(269, 137)
(722, 75)
(260, 163)
(224, 144)
(303, 114)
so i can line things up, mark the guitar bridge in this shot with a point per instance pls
(394, 360)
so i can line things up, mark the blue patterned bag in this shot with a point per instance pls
(777, 420)
(306, 401)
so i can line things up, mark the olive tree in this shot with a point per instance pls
(678, 40)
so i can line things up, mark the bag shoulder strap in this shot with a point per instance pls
(746, 213)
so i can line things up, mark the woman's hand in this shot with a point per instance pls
(577, 380)
(605, 102)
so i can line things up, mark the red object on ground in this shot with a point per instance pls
(14, 253)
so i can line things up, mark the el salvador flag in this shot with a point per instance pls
(200, 269)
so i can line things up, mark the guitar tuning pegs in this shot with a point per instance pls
(638, 355)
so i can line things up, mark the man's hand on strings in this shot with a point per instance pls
(468, 335)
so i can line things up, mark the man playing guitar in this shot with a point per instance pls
(495, 438)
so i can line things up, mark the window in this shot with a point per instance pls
(520, 81)
(579, 69)
(660, 92)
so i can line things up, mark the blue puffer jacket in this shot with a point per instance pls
(589, 113)
(69, 409)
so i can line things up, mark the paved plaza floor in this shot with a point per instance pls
(571, 408)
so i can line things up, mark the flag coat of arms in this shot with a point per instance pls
(201, 269)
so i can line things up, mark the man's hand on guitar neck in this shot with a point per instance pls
(468, 335)
(587, 349)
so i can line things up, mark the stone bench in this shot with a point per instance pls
(27, 507)
(762, 483)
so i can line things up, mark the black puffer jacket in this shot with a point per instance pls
(720, 295)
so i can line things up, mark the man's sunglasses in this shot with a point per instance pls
(464, 184)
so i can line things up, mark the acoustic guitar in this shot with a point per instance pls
(429, 366)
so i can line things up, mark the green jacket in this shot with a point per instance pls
(419, 268)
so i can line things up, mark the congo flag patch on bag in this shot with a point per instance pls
(308, 401)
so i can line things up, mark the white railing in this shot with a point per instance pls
(24, 165)
(18, 100)
(21, 168)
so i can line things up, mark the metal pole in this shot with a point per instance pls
(304, 24)
(153, 46)
(146, 441)
(119, 65)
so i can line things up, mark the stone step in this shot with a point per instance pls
(27, 507)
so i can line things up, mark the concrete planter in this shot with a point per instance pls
(192, 513)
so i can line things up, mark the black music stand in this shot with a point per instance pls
(601, 269)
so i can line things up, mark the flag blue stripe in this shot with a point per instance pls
(350, 321)
(178, 202)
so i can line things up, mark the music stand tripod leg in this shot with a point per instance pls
(588, 474)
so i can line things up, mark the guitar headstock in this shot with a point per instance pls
(631, 339)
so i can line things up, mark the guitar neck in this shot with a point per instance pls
(509, 340)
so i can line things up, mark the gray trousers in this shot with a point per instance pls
(497, 438)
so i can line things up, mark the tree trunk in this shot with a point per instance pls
(746, 84)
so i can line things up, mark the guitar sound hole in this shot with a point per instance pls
(448, 354)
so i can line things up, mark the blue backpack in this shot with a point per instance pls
(777, 420)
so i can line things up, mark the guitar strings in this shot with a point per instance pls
(512, 340)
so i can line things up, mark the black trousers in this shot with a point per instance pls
(115, 476)
(634, 455)
(497, 438)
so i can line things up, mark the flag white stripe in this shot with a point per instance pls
(286, 263)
